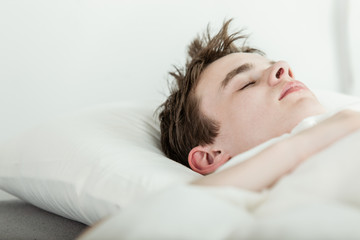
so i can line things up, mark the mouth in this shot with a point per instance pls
(291, 87)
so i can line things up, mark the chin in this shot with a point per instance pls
(310, 106)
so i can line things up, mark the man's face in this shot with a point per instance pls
(254, 99)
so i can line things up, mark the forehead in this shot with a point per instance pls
(211, 78)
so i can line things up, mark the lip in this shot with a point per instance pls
(291, 87)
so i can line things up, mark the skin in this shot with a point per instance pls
(252, 115)
(250, 109)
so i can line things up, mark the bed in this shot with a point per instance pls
(78, 167)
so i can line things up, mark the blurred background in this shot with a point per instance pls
(61, 56)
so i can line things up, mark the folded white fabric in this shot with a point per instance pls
(185, 212)
(88, 165)
(190, 212)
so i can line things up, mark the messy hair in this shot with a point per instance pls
(183, 126)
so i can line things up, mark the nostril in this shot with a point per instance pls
(279, 73)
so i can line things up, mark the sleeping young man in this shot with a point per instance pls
(229, 99)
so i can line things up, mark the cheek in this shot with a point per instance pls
(252, 114)
(253, 106)
(247, 123)
(242, 118)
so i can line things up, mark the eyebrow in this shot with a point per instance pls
(240, 69)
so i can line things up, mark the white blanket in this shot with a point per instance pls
(319, 200)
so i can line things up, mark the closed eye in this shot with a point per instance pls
(247, 85)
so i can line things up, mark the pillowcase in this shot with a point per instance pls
(88, 165)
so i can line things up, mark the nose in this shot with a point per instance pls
(278, 72)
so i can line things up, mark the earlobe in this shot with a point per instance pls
(204, 160)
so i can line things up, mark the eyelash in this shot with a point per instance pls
(247, 85)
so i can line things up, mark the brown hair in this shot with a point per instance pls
(183, 126)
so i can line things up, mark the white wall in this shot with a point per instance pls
(354, 39)
(59, 56)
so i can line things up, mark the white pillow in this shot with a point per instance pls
(88, 165)
(333, 101)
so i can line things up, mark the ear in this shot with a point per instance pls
(204, 160)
